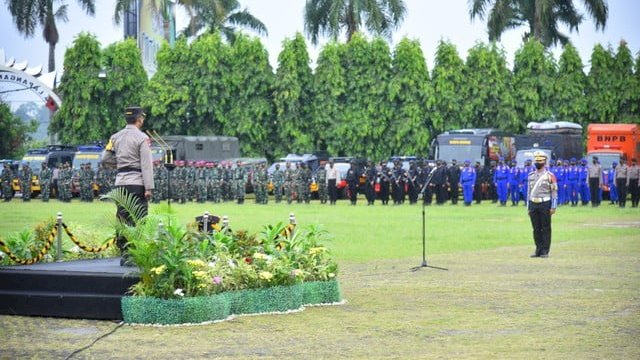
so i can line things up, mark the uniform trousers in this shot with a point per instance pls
(137, 191)
(333, 191)
(541, 222)
(594, 187)
(621, 187)
(635, 192)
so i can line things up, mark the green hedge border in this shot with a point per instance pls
(203, 309)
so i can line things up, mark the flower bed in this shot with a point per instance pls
(190, 276)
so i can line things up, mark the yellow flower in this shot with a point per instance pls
(317, 250)
(260, 256)
(196, 263)
(332, 275)
(265, 275)
(158, 270)
(200, 275)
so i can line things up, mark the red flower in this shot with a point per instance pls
(248, 260)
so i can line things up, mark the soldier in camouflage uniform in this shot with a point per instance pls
(64, 183)
(191, 181)
(45, 182)
(304, 182)
(321, 180)
(227, 183)
(102, 178)
(157, 194)
(239, 181)
(213, 182)
(178, 182)
(25, 181)
(6, 178)
(277, 179)
(289, 183)
(201, 182)
(164, 181)
(261, 177)
(86, 183)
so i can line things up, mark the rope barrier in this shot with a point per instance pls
(87, 248)
(49, 243)
(41, 253)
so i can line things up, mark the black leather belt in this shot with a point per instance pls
(128, 169)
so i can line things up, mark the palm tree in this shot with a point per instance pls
(330, 17)
(222, 16)
(542, 16)
(29, 14)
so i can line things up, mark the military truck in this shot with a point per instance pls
(196, 148)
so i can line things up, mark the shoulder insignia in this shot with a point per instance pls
(552, 177)
(148, 141)
(109, 146)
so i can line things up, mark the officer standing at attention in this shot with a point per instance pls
(542, 200)
(45, 182)
(621, 182)
(25, 181)
(6, 178)
(501, 181)
(595, 181)
(633, 177)
(467, 181)
(129, 150)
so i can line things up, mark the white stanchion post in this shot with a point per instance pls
(205, 222)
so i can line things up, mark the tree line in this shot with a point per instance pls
(362, 98)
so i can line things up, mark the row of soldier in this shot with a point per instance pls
(206, 181)
(58, 181)
(578, 182)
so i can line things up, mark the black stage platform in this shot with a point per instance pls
(85, 289)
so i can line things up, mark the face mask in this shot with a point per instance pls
(539, 166)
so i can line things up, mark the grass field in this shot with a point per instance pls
(493, 302)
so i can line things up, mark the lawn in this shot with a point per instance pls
(493, 302)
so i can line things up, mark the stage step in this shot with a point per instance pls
(86, 289)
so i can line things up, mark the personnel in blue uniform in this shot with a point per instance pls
(573, 175)
(583, 183)
(514, 183)
(524, 175)
(501, 181)
(610, 181)
(561, 177)
(467, 181)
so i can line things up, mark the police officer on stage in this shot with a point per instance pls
(542, 200)
(129, 151)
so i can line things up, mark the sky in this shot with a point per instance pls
(428, 21)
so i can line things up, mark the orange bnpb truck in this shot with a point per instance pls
(613, 142)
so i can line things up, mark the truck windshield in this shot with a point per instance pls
(82, 158)
(460, 153)
(35, 162)
(606, 160)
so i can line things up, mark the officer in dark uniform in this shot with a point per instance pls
(129, 150)
(453, 180)
(542, 200)
(439, 181)
(371, 175)
(385, 182)
(480, 180)
(353, 179)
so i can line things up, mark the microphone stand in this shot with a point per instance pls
(424, 247)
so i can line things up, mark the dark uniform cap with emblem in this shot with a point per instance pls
(133, 112)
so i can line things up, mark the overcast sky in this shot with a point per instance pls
(426, 20)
